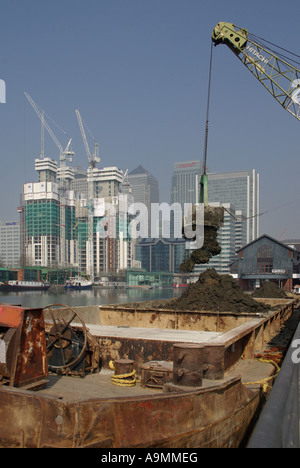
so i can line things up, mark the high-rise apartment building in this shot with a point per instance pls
(10, 244)
(55, 218)
(43, 225)
(112, 245)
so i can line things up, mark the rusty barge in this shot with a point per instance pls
(193, 377)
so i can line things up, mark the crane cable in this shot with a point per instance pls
(207, 112)
(260, 41)
(264, 43)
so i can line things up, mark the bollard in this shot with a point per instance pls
(188, 364)
(123, 366)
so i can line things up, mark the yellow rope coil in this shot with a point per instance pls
(264, 382)
(123, 380)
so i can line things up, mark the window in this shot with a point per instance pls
(264, 259)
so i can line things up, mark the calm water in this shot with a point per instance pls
(96, 296)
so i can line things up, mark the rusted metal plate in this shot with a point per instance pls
(188, 364)
(202, 418)
(11, 316)
(23, 358)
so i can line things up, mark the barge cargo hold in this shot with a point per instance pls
(208, 401)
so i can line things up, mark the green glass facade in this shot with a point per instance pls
(42, 218)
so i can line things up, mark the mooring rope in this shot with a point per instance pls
(123, 380)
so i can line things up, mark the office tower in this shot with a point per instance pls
(185, 186)
(241, 189)
(185, 180)
(238, 192)
(144, 189)
(10, 244)
(227, 237)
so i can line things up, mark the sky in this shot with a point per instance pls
(137, 70)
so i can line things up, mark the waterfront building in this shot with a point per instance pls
(10, 244)
(267, 259)
(112, 249)
(161, 254)
(144, 279)
(43, 225)
(55, 219)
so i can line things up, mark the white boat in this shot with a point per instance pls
(78, 283)
(24, 286)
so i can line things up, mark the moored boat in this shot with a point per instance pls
(24, 286)
(78, 283)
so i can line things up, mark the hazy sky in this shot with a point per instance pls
(137, 70)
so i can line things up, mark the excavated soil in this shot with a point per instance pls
(217, 292)
(211, 292)
(269, 290)
(213, 219)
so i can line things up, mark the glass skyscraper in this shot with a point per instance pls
(144, 188)
(237, 192)
(241, 189)
(185, 181)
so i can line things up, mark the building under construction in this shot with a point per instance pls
(43, 226)
(64, 218)
(112, 247)
(55, 223)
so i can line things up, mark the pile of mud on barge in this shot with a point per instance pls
(136, 375)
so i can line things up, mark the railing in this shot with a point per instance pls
(278, 424)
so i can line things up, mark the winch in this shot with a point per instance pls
(71, 349)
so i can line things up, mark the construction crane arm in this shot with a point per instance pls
(273, 71)
(36, 109)
(87, 149)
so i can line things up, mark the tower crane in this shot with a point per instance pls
(64, 154)
(93, 160)
(64, 174)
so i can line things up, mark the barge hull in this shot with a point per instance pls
(208, 417)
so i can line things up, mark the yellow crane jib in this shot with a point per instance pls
(230, 35)
(276, 70)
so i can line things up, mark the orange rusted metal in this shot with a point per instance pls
(22, 338)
